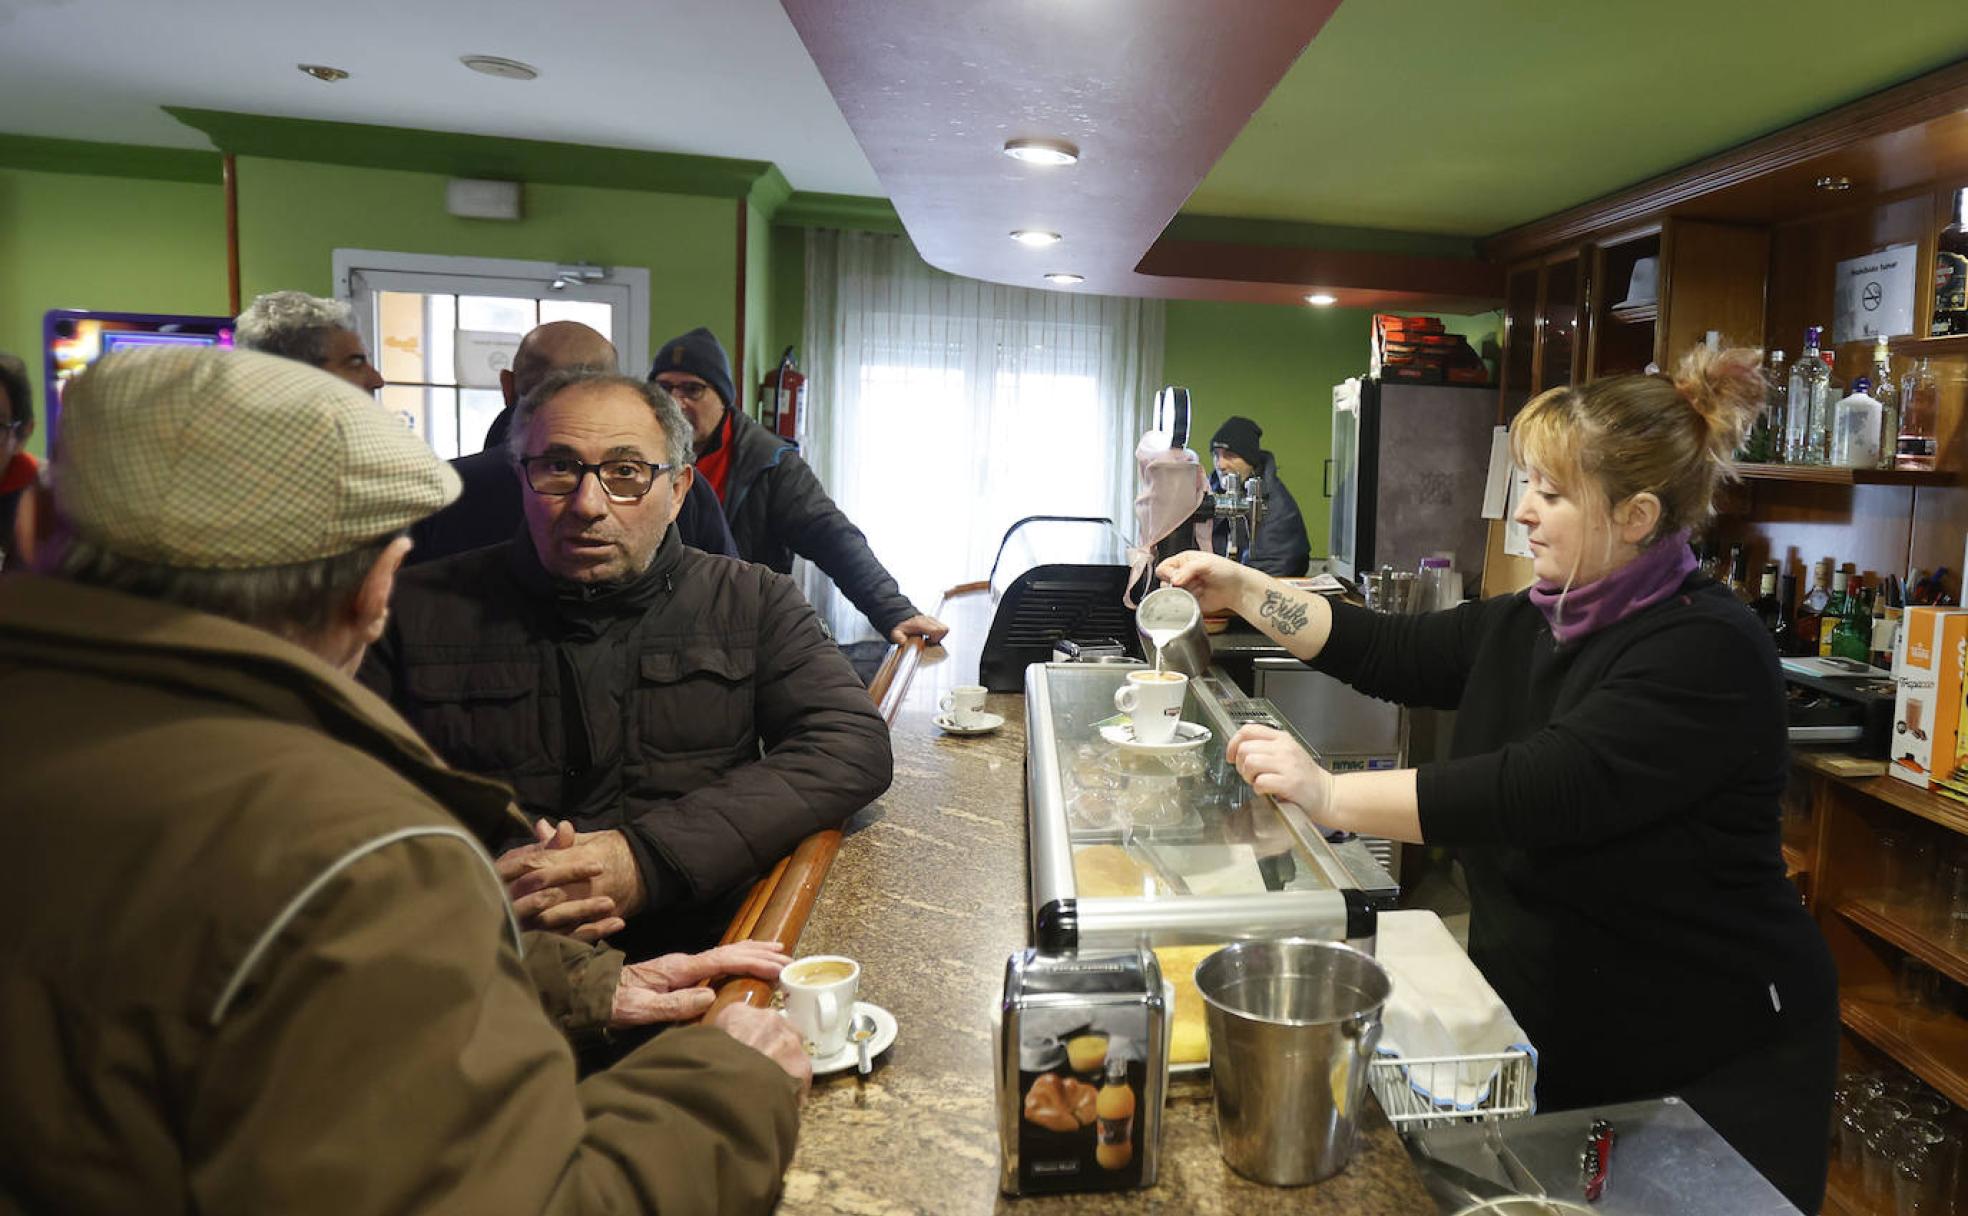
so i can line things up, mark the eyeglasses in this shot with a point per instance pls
(692, 392)
(621, 480)
(11, 430)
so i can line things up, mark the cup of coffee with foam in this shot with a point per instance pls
(819, 994)
(1152, 700)
(964, 705)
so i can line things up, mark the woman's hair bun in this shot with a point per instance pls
(1726, 388)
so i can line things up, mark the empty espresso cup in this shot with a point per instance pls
(1152, 700)
(964, 704)
(819, 994)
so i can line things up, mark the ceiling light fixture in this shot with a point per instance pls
(322, 72)
(1034, 238)
(1042, 151)
(1834, 183)
(504, 69)
(1065, 280)
(1321, 299)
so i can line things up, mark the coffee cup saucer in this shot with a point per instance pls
(848, 1057)
(1188, 736)
(985, 724)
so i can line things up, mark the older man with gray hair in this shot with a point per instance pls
(308, 329)
(286, 978)
(686, 713)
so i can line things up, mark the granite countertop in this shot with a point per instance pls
(929, 893)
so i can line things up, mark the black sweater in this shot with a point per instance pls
(1615, 805)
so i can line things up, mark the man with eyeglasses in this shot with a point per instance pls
(489, 510)
(776, 507)
(686, 713)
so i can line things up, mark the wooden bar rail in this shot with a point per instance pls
(780, 903)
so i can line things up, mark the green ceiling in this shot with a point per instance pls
(1471, 116)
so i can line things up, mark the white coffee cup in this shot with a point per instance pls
(1152, 700)
(819, 993)
(964, 704)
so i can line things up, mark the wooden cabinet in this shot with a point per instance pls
(1874, 921)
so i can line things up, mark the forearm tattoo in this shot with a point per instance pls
(1288, 615)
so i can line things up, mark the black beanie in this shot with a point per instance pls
(700, 354)
(1240, 435)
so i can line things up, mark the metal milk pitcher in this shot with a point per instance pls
(1172, 617)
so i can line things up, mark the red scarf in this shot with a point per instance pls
(19, 473)
(714, 466)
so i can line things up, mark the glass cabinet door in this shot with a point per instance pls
(1560, 323)
(1520, 334)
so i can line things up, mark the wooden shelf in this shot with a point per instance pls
(1930, 806)
(1795, 862)
(1635, 314)
(1930, 348)
(1887, 923)
(1832, 475)
(1933, 1048)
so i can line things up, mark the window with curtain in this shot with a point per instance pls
(946, 409)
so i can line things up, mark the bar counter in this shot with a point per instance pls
(929, 893)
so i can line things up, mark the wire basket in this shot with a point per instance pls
(1425, 1091)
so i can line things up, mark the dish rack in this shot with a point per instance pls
(1402, 1084)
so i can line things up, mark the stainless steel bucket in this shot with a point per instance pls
(1292, 1026)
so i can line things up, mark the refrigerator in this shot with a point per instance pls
(1409, 464)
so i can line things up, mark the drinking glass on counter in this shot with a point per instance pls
(1922, 1160)
(1878, 1122)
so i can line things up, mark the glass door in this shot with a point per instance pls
(441, 329)
(1344, 478)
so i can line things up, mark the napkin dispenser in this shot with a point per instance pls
(1081, 1071)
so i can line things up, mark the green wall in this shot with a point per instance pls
(70, 240)
(294, 214)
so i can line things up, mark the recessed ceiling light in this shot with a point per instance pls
(321, 71)
(1835, 182)
(1321, 299)
(1065, 280)
(494, 65)
(1042, 151)
(1034, 238)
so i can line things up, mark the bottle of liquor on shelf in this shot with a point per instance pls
(1807, 628)
(1887, 609)
(1808, 406)
(1855, 428)
(1920, 403)
(1887, 392)
(1951, 272)
(1738, 580)
(1852, 638)
(1774, 409)
(1765, 605)
(1834, 612)
(1784, 629)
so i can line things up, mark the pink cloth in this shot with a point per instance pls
(1172, 487)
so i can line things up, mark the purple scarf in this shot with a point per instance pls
(1655, 574)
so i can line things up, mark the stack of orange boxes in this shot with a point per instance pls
(1418, 350)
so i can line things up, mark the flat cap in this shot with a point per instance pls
(218, 459)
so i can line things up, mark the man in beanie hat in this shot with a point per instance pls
(776, 506)
(1280, 546)
(274, 970)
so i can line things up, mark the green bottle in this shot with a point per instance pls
(1852, 639)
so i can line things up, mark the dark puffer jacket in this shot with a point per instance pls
(700, 709)
(777, 508)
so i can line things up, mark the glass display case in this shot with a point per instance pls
(1166, 845)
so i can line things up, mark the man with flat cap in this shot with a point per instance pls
(1280, 546)
(489, 510)
(268, 965)
(776, 507)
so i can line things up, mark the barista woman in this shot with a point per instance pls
(1619, 753)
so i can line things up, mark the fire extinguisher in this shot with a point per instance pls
(784, 391)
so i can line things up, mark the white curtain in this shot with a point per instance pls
(944, 409)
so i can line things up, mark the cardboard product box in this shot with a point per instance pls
(1927, 742)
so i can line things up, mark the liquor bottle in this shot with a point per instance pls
(1807, 405)
(1888, 395)
(1855, 428)
(1765, 605)
(1834, 612)
(1920, 402)
(1951, 272)
(1784, 629)
(1886, 613)
(1852, 639)
(1738, 580)
(1773, 408)
(1810, 613)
